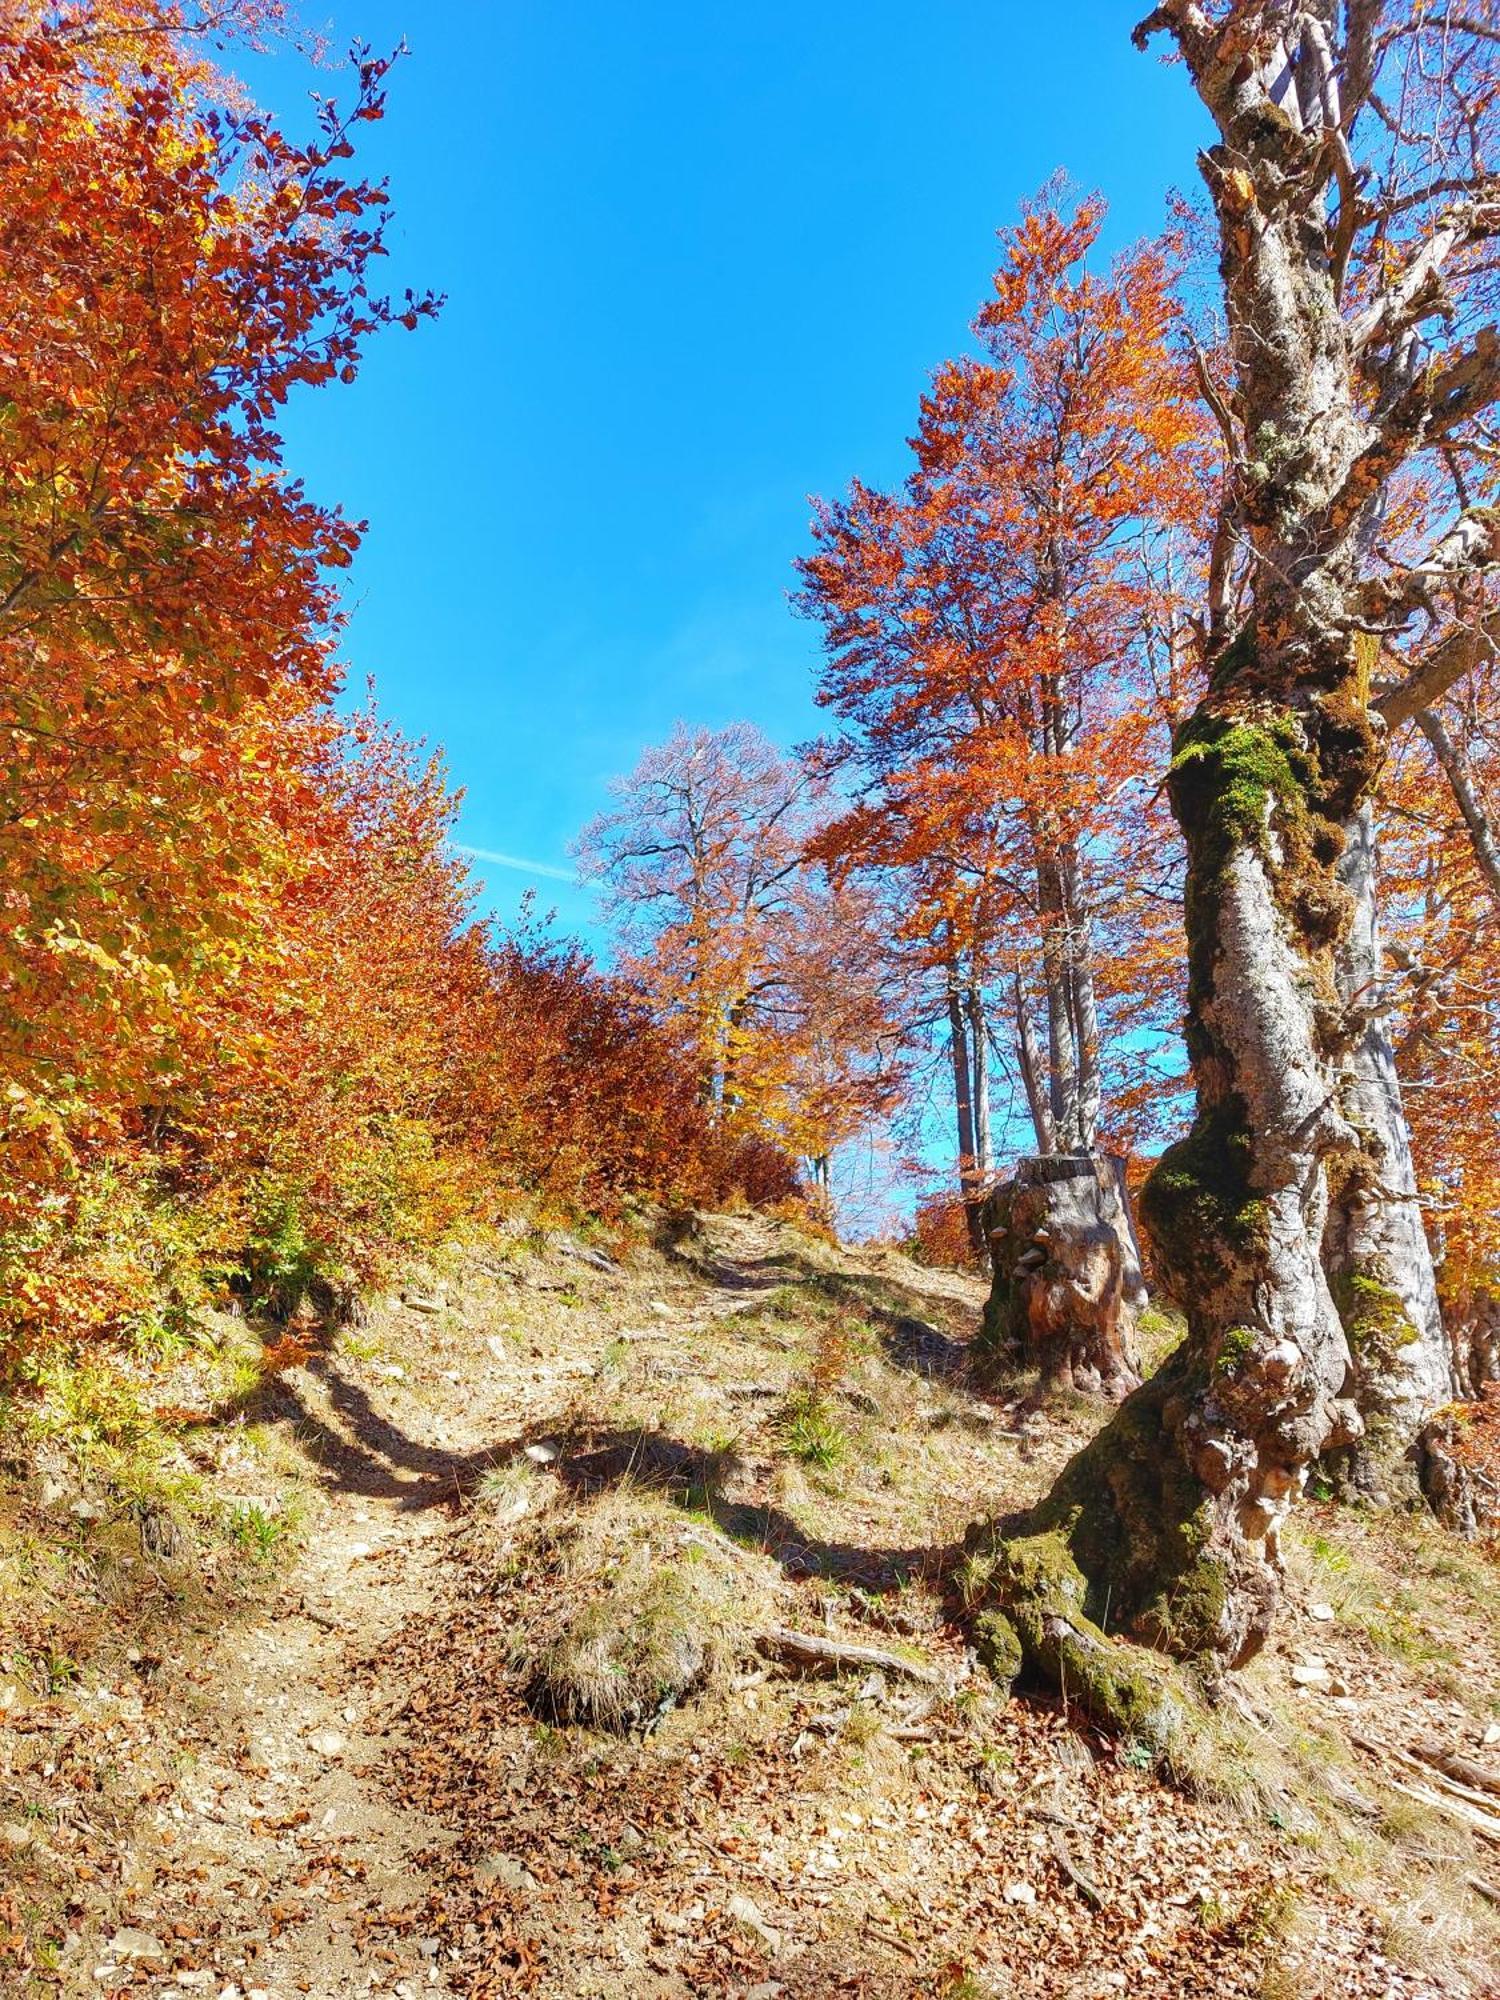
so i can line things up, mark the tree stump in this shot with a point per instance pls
(1067, 1284)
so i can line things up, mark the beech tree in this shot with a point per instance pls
(173, 273)
(982, 632)
(772, 974)
(990, 634)
(1356, 212)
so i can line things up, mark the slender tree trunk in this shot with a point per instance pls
(1375, 1245)
(979, 1053)
(1062, 1053)
(958, 1048)
(1030, 1057)
(1084, 1006)
(1466, 796)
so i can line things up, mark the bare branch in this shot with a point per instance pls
(1443, 666)
(1470, 546)
(1466, 796)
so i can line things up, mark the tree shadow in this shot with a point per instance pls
(368, 1455)
(591, 1462)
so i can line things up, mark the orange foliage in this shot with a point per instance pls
(771, 978)
(1006, 647)
(942, 1233)
(248, 1028)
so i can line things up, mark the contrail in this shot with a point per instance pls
(516, 861)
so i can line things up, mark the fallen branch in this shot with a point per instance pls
(1453, 1798)
(1487, 1830)
(814, 1653)
(1084, 1884)
(1476, 1776)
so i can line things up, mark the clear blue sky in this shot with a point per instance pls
(699, 261)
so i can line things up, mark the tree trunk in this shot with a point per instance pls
(979, 1053)
(1084, 1006)
(964, 1110)
(1466, 796)
(1375, 1247)
(1030, 1058)
(1062, 1296)
(1062, 1054)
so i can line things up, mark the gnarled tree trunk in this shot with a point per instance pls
(1166, 1527)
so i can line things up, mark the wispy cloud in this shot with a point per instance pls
(519, 863)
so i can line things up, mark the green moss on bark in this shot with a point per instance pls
(1119, 1546)
(1228, 777)
(1376, 1322)
(1198, 1206)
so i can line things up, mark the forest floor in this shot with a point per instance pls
(348, 1742)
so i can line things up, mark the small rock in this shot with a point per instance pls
(661, 1309)
(140, 1948)
(746, 1913)
(497, 1347)
(1312, 1675)
(87, 1510)
(356, 1551)
(189, 1979)
(18, 1833)
(1491, 1735)
(416, 1302)
(768, 1989)
(393, 1371)
(541, 1454)
(505, 1870)
(1322, 1612)
(1019, 1892)
(327, 1742)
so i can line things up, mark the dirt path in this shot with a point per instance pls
(255, 1872)
(351, 1789)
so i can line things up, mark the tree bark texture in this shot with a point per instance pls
(1066, 1284)
(1375, 1247)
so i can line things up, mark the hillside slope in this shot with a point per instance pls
(525, 1683)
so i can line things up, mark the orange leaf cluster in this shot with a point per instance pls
(247, 1025)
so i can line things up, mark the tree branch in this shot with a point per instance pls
(1466, 796)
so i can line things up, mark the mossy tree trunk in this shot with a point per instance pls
(1166, 1527)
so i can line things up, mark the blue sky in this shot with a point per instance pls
(699, 261)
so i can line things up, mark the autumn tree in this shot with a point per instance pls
(770, 972)
(173, 273)
(991, 656)
(1356, 212)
